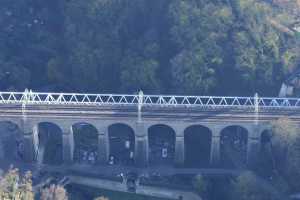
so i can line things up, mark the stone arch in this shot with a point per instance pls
(233, 147)
(197, 145)
(11, 141)
(121, 143)
(85, 143)
(161, 141)
(49, 143)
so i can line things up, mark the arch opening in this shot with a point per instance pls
(50, 144)
(121, 144)
(11, 141)
(161, 144)
(233, 147)
(85, 143)
(197, 143)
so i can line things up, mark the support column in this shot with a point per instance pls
(103, 145)
(68, 145)
(215, 147)
(252, 151)
(29, 148)
(253, 146)
(31, 142)
(141, 145)
(179, 151)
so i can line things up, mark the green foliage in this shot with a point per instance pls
(15, 187)
(283, 142)
(54, 193)
(249, 187)
(178, 46)
(286, 142)
(284, 131)
(201, 185)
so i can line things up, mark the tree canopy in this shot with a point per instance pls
(180, 46)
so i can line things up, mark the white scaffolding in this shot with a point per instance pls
(139, 100)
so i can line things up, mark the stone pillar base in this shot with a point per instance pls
(103, 149)
(68, 146)
(252, 152)
(179, 152)
(215, 151)
(141, 145)
(141, 151)
(29, 154)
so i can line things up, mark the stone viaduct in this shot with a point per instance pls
(140, 113)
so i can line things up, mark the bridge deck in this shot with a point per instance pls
(157, 113)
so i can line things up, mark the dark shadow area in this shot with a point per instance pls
(233, 147)
(161, 144)
(50, 146)
(266, 161)
(197, 143)
(121, 144)
(11, 141)
(86, 143)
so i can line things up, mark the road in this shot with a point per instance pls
(108, 170)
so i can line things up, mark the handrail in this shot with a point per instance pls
(31, 98)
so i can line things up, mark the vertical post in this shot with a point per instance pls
(253, 140)
(68, 145)
(24, 102)
(256, 107)
(30, 143)
(140, 104)
(103, 145)
(141, 139)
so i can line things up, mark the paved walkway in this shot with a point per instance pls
(162, 170)
(117, 169)
(141, 190)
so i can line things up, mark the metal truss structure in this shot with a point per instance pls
(37, 98)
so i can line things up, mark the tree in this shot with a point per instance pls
(286, 150)
(284, 131)
(139, 70)
(54, 192)
(198, 30)
(201, 185)
(248, 187)
(15, 187)
(283, 141)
